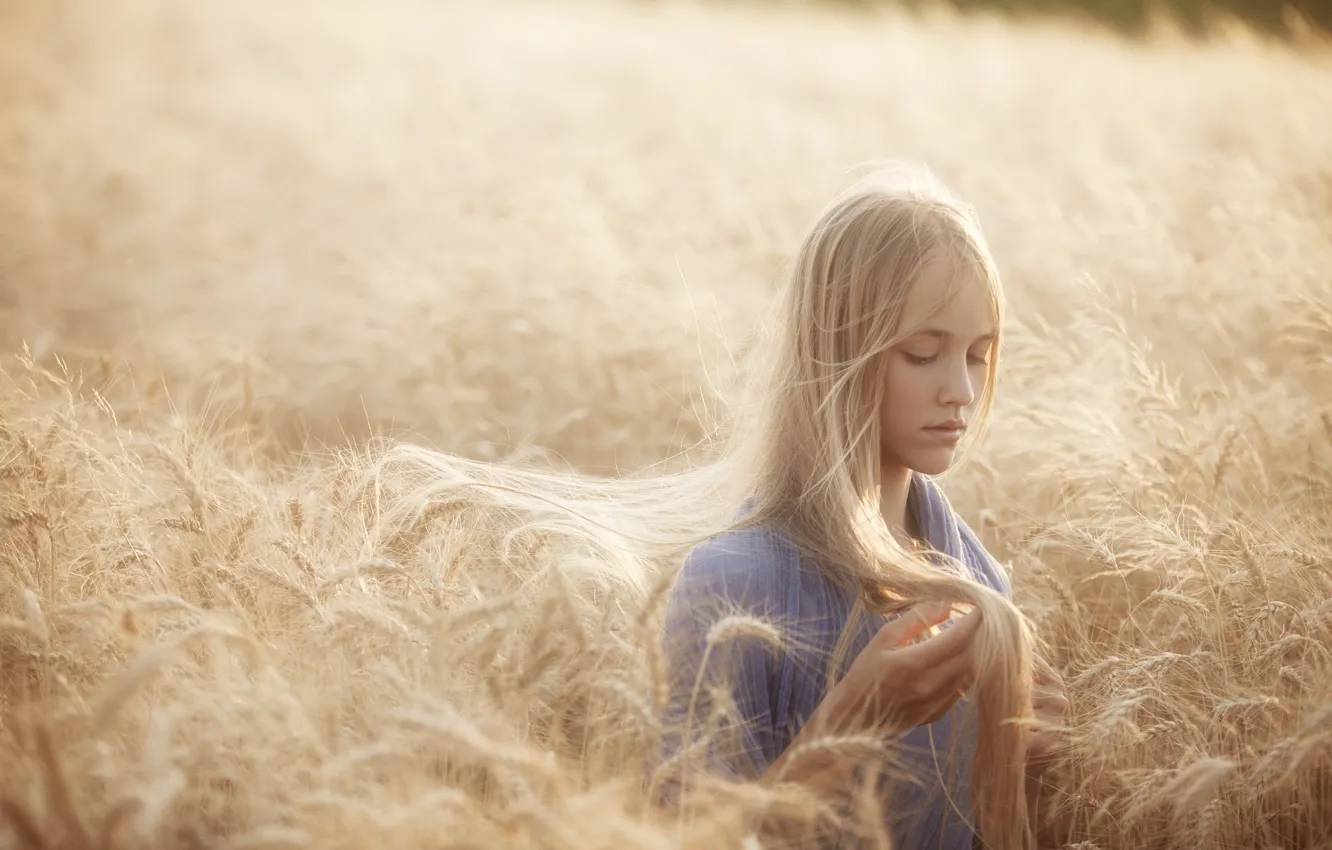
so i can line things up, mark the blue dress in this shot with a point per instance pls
(758, 571)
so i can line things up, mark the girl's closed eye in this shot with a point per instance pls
(920, 359)
(981, 359)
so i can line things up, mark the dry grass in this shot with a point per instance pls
(230, 228)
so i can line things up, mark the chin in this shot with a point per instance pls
(932, 463)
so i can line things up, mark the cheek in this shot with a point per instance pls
(980, 379)
(906, 393)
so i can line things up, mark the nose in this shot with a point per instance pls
(957, 390)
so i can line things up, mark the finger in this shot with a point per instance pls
(953, 641)
(1047, 689)
(943, 705)
(1050, 706)
(912, 622)
(1043, 672)
(1050, 695)
(948, 686)
(1042, 749)
(947, 677)
(928, 702)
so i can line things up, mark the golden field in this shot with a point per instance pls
(239, 241)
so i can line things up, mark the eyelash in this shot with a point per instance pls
(925, 361)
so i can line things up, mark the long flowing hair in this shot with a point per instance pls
(801, 449)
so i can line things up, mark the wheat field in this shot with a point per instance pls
(246, 250)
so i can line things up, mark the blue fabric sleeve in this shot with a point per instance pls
(743, 572)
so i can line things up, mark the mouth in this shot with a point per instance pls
(948, 432)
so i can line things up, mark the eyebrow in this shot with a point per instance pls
(940, 333)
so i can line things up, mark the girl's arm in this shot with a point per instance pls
(719, 637)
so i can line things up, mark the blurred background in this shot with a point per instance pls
(520, 226)
(1196, 16)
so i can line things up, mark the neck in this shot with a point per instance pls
(894, 486)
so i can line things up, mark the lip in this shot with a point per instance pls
(948, 432)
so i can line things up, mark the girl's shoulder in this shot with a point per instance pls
(758, 570)
(744, 564)
(985, 568)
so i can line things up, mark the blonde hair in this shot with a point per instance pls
(803, 451)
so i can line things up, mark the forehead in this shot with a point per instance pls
(951, 299)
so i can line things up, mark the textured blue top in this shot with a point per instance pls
(758, 571)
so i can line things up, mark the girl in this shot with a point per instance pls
(883, 365)
(816, 529)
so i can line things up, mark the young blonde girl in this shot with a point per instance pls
(821, 517)
(884, 359)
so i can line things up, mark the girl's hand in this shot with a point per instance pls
(892, 687)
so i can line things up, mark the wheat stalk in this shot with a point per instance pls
(1196, 786)
(469, 655)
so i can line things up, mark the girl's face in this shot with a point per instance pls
(936, 375)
